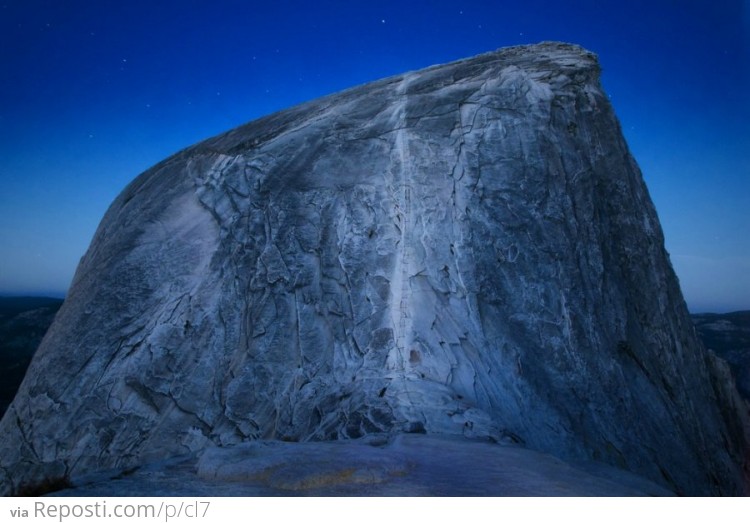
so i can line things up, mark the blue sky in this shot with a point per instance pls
(94, 92)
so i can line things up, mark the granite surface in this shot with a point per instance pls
(469, 250)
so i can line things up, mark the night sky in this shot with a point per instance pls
(94, 92)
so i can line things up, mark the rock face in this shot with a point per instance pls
(468, 249)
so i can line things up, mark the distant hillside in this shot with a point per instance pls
(23, 323)
(728, 335)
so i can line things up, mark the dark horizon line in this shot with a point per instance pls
(61, 295)
(58, 295)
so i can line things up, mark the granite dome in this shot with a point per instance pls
(468, 249)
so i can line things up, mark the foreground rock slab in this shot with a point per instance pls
(469, 249)
(406, 465)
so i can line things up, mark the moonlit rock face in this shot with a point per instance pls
(468, 249)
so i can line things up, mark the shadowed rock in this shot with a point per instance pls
(23, 322)
(468, 249)
(728, 335)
